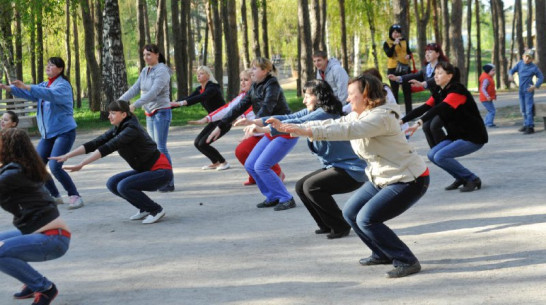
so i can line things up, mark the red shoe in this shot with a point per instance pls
(248, 182)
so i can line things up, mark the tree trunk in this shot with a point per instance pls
(298, 80)
(232, 49)
(217, 42)
(18, 45)
(513, 40)
(99, 8)
(435, 25)
(94, 73)
(323, 9)
(305, 41)
(495, 54)
(541, 40)
(114, 73)
(33, 45)
(142, 32)
(255, 28)
(39, 45)
(159, 29)
(503, 69)
(167, 47)
(401, 14)
(469, 40)
(7, 62)
(314, 15)
(178, 21)
(371, 22)
(519, 26)
(265, 36)
(77, 69)
(457, 44)
(67, 37)
(207, 30)
(529, 22)
(422, 15)
(147, 24)
(186, 10)
(191, 41)
(478, 41)
(445, 25)
(344, 52)
(244, 30)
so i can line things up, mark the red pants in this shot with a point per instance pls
(243, 150)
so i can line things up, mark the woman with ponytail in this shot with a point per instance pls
(56, 123)
(153, 85)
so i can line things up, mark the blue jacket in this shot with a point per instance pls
(338, 154)
(526, 73)
(55, 115)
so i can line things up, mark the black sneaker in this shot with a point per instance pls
(45, 297)
(285, 205)
(334, 235)
(371, 261)
(266, 204)
(522, 129)
(323, 231)
(402, 271)
(529, 130)
(25, 293)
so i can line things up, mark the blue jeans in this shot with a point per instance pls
(258, 164)
(444, 155)
(129, 186)
(490, 116)
(526, 103)
(19, 249)
(53, 147)
(370, 206)
(158, 128)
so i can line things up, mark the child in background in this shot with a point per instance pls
(488, 93)
(526, 69)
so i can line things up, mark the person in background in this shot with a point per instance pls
(397, 49)
(526, 70)
(151, 169)
(213, 117)
(342, 171)
(266, 98)
(40, 234)
(55, 119)
(153, 84)
(397, 175)
(331, 71)
(210, 95)
(9, 119)
(466, 132)
(488, 93)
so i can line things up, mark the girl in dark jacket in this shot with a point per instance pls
(151, 168)
(40, 234)
(466, 132)
(210, 95)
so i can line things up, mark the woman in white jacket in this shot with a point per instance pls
(397, 176)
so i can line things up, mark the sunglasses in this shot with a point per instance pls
(396, 26)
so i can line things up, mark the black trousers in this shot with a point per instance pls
(406, 89)
(205, 148)
(315, 191)
(433, 131)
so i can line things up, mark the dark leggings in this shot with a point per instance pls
(433, 131)
(315, 191)
(205, 148)
(406, 88)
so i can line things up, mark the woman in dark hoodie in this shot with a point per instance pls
(397, 49)
(151, 168)
(466, 132)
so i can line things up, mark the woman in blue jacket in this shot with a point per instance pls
(342, 171)
(56, 123)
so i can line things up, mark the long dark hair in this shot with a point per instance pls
(450, 69)
(17, 147)
(155, 49)
(121, 106)
(59, 63)
(326, 98)
(437, 48)
(13, 117)
(372, 88)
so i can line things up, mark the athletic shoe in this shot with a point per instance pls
(223, 166)
(209, 167)
(25, 293)
(45, 297)
(75, 202)
(285, 205)
(152, 219)
(139, 215)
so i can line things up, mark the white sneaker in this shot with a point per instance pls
(151, 219)
(139, 215)
(223, 166)
(75, 202)
(209, 167)
(58, 200)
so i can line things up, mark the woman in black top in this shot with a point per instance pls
(40, 234)
(151, 168)
(210, 95)
(466, 132)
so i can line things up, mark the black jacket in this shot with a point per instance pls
(29, 202)
(131, 141)
(211, 99)
(266, 99)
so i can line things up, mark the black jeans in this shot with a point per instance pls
(433, 131)
(205, 148)
(406, 89)
(315, 191)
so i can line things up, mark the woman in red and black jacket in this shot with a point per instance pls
(151, 169)
(466, 132)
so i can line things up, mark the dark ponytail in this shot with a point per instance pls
(155, 49)
(59, 63)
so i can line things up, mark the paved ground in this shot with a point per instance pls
(215, 247)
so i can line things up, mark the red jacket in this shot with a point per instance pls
(491, 91)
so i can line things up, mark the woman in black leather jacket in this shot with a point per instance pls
(151, 168)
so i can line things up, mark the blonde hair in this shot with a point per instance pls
(208, 72)
(264, 64)
(246, 72)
